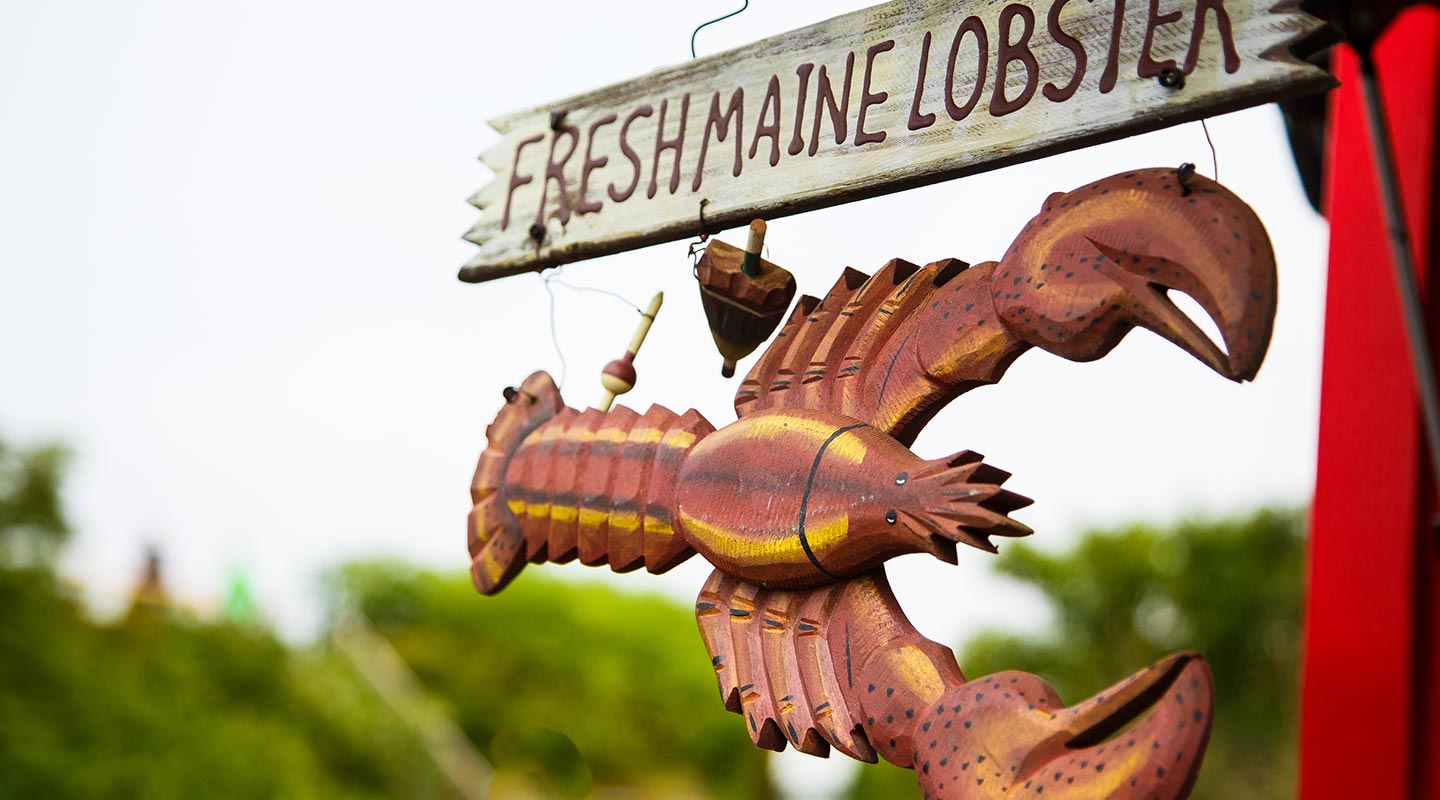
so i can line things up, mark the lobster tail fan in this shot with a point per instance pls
(496, 547)
(497, 553)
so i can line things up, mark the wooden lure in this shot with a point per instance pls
(799, 502)
(744, 296)
(618, 377)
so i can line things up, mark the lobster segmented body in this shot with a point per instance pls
(590, 485)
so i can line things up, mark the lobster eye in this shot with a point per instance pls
(891, 516)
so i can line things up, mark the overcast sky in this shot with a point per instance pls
(228, 243)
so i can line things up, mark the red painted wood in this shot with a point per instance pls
(799, 502)
(1096, 262)
(840, 666)
(1367, 675)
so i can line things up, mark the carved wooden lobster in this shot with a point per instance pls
(799, 502)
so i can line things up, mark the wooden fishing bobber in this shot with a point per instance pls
(618, 377)
(745, 296)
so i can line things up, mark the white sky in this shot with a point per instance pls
(228, 243)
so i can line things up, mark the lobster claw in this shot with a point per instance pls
(1102, 259)
(1007, 735)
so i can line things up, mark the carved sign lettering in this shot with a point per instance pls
(876, 101)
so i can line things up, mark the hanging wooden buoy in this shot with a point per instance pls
(744, 296)
(618, 377)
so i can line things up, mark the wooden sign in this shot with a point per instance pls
(876, 101)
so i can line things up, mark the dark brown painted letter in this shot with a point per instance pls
(825, 96)
(973, 25)
(1060, 94)
(662, 144)
(583, 206)
(515, 180)
(1008, 52)
(867, 98)
(634, 157)
(719, 125)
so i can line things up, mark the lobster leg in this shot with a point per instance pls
(1007, 735)
(875, 686)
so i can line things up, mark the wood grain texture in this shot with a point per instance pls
(841, 666)
(883, 99)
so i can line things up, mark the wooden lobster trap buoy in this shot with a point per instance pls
(745, 296)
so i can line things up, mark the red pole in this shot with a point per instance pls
(1370, 710)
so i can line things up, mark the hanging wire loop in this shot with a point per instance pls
(712, 22)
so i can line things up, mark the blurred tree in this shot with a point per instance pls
(32, 520)
(573, 690)
(159, 705)
(574, 683)
(1231, 589)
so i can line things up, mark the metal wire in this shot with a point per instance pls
(712, 22)
(597, 290)
(550, 278)
(555, 334)
(1214, 159)
(1399, 236)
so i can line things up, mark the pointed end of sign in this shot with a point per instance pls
(471, 272)
(1301, 37)
(496, 158)
(480, 232)
(481, 269)
(502, 125)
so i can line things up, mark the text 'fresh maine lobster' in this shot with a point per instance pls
(800, 501)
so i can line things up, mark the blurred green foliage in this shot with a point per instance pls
(32, 520)
(158, 705)
(1231, 589)
(570, 689)
(624, 677)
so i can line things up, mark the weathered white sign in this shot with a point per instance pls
(884, 99)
